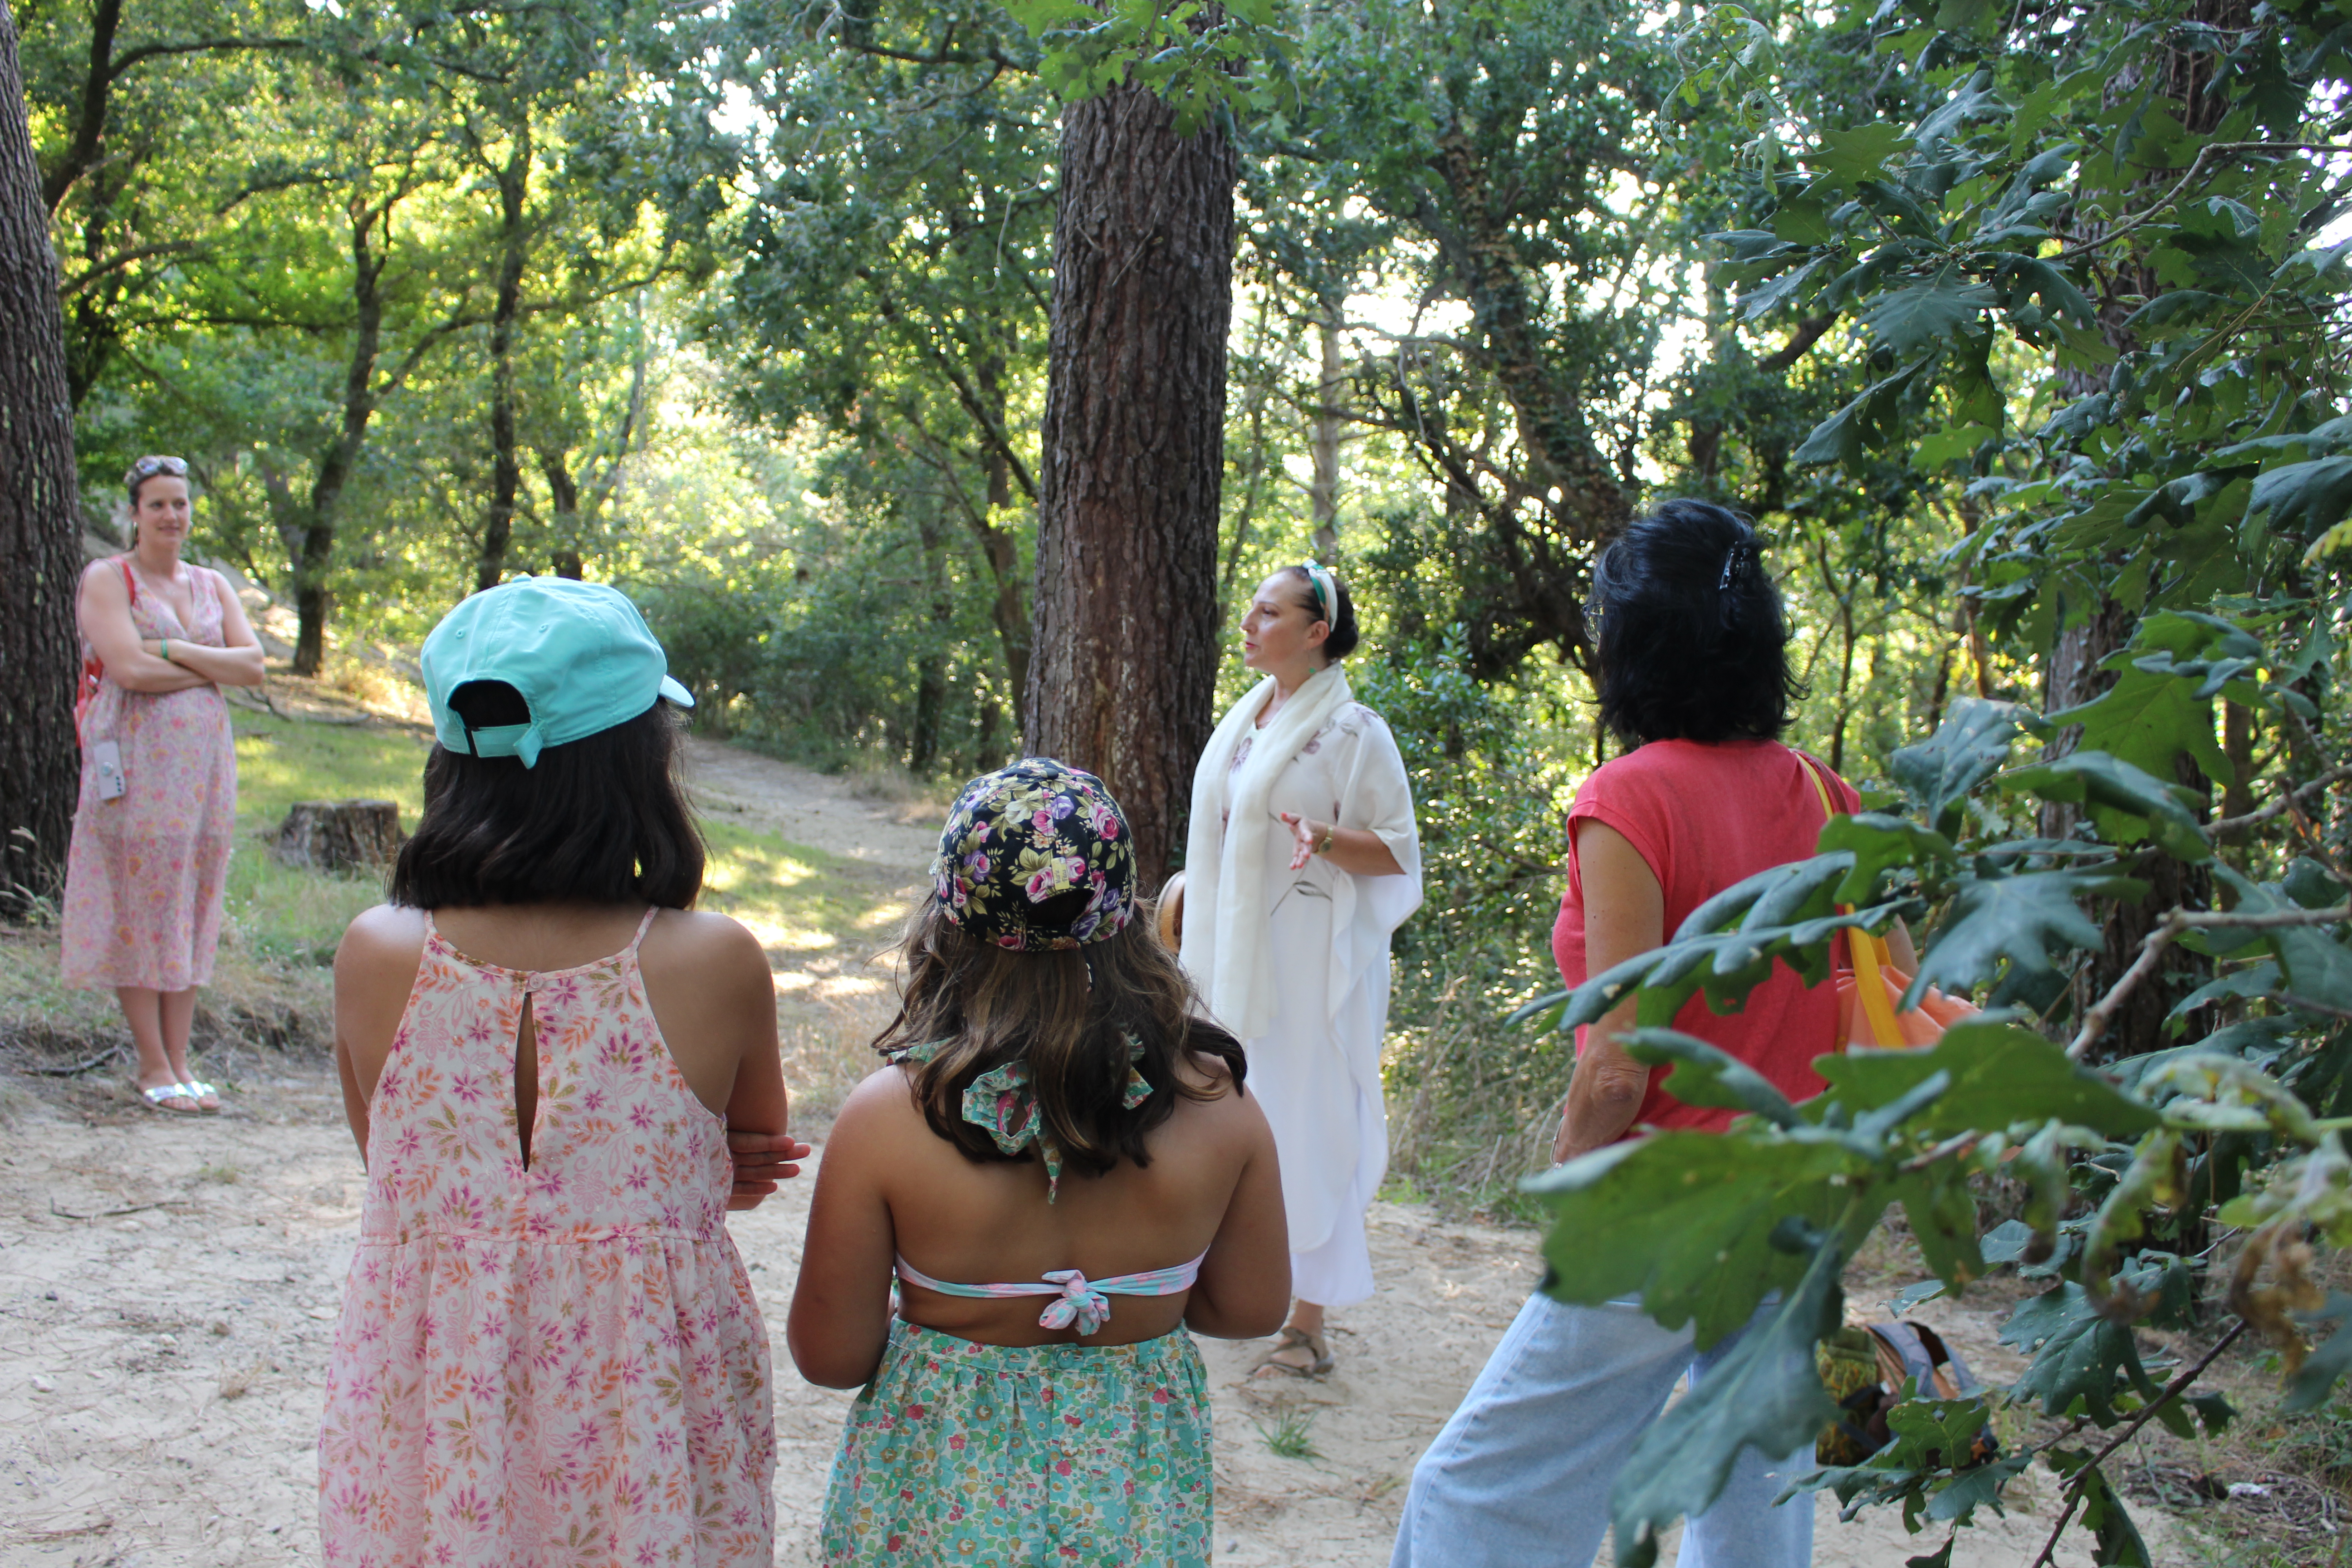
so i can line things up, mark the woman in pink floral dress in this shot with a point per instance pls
(158, 807)
(548, 1351)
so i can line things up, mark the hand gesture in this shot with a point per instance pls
(762, 1162)
(1304, 834)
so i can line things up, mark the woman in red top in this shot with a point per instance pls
(1691, 663)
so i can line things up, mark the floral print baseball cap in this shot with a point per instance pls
(1036, 856)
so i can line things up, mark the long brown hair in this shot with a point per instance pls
(1068, 1014)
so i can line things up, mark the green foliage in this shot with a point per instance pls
(1487, 791)
(1704, 1227)
(1204, 59)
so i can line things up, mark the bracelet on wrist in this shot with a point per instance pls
(166, 644)
(1323, 845)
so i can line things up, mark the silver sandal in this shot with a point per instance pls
(161, 1097)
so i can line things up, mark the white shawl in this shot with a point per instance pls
(1224, 944)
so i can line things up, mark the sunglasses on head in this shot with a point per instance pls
(146, 468)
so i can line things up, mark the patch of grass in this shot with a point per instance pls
(1292, 1435)
(797, 900)
(820, 917)
(282, 761)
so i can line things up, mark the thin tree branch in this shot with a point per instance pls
(2075, 1486)
(2279, 806)
(2175, 925)
(2196, 167)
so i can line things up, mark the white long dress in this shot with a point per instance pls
(1316, 1068)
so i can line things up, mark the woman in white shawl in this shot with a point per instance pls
(1302, 858)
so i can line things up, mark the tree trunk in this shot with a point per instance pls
(315, 557)
(41, 522)
(564, 501)
(505, 466)
(997, 546)
(1123, 673)
(2071, 674)
(1323, 493)
(931, 668)
(339, 835)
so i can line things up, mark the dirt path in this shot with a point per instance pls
(168, 1290)
(809, 807)
(160, 1369)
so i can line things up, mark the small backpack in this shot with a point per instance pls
(1864, 1369)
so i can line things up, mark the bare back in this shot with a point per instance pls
(706, 980)
(890, 1186)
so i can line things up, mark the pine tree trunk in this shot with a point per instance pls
(1123, 668)
(41, 522)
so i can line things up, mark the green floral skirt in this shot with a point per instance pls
(1001, 1455)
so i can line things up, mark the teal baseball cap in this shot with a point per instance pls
(579, 653)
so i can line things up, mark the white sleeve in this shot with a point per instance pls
(1375, 795)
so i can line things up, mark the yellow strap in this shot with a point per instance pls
(1868, 952)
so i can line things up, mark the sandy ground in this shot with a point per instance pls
(168, 1289)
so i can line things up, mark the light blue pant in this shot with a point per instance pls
(1520, 1476)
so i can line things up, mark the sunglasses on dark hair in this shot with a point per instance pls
(146, 468)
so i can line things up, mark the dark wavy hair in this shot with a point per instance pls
(1341, 640)
(601, 820)
(1691, 642)
(1069, 1013)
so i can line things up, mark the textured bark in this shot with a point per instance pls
(41, 522)
(1123, 669)
(1009, 611)
(1330, 392)
(313, 533)
(506, 464)
(340, 834)
(2071, 674)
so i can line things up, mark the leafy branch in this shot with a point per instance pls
(2079, 1483)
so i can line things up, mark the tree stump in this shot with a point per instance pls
(340, 834)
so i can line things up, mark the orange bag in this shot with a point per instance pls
(1870, 989)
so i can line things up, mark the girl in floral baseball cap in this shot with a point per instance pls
(1054, 1112)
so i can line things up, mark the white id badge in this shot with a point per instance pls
(107, 757)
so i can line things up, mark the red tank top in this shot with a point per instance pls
(1704, 816)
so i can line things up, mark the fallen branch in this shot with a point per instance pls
(80, 1067)
(2074, 1485)
(114, 1214)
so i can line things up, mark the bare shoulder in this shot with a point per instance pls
(709, 941)
(387, 933)
(103, 577)
(880, 1117)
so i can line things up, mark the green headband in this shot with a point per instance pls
(1326, 590)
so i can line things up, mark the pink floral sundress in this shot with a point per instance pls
(145, 871)
(555, 1365)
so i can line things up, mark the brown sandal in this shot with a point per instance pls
(1292, 1339)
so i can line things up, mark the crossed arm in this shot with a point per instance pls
(137, 663)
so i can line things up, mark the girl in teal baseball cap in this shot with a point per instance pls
(545, 1051)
